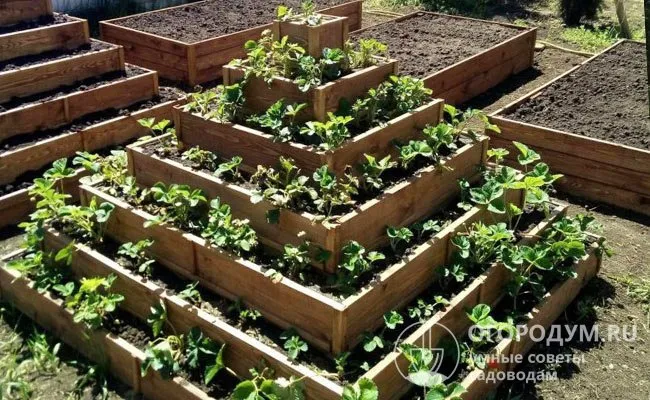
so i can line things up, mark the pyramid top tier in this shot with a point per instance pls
(15, 11)
(314, 33)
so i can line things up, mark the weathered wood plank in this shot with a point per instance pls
(14, 11)
(43, 77)
(68, 35)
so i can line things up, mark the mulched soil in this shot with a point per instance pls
(427, 43)
(16, 142)
(27, 61)
(205, 20)
(605, 99)
(46, 20)
(80, 86)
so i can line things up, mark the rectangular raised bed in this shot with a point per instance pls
(67, 35)
(551, 308)
(332, 32)
(14, 11)
(115, 131)
(259, 148)
(595, 169)
(331, 325)
(122, 358)
(63, 110)
(15, 207)
(400, 205)
(320, 100)
(200, 61)
(468, 77)
(242, 351)
(39, 78)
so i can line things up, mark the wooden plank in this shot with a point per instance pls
(486, 80)
(68, 35)
(14, 11)
(65, 109)
(33, 157)
(113, 33)
(543, 138)
(15, 207)
(50, 75)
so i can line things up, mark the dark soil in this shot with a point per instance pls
(28, 61)
(129, 328)
(46, 20)
(20, 141)
(196, 22)
(605, 99)
(427, 43)
(22, 182)
(80, 86)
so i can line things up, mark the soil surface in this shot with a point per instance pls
(46, 20)
(427, 43)
(80, 86)
(20, 141)
(605, 99)
(27, 61)
(196, 22)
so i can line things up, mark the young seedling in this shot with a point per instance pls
(399, 238)
(136, 253)
(293, 344)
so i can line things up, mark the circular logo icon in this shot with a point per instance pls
(420, 343)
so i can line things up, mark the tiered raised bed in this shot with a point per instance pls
(591, 125)
(458, 58)
(60, 93)
(243, 350)
(15, 11)
(196, 53)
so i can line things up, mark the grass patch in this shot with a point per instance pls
(638, 289)
(591, 40)
(391, 5)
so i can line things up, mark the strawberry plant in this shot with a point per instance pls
(191, 294)
(262, 386)
(49, 271)
(426, 228)
(230, 169)
(363, 389)
(474, 352)
(372, 170)
(204, 355)
(307, 15)
(227, 232)
(200, 159)
(415, 149)
(366, 53)
(333, 192)
(86, 223)
(331, 133)
(163, 355)
(279, 120)
(157, 318)
(399, 238)
(181, 204)
(355, 262)
(295, 259)
(284, 187)
(293, 344)
(136, 253)
(93, 302)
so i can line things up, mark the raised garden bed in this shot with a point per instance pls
(402, 204)
(603, 150)
(28, 75)
(50, 112)
(91, 133)
(259, 148)
(242, 350)
(121, 356)
(174, 43)
(66, 33)
(330, 324)
(15, 11)
(322, 99)
(458, 58)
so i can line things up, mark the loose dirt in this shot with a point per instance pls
(606, 98)
(427, 43)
